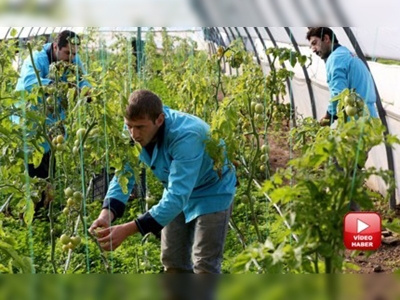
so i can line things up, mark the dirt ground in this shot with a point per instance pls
(387, 258)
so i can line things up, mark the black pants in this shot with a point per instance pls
(42, 171)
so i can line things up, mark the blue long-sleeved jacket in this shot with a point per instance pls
(28, 80)
(344, 70)
(185, 169)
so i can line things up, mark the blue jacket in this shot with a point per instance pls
(344, 70)
(28, 80)
(180, 162)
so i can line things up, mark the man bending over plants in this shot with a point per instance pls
(196, 205)
(52, 65)
(343, 70)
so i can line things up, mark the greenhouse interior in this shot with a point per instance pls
(292, 168)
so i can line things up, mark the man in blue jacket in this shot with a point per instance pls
(64, 48)
(343, 70)
(196, 205)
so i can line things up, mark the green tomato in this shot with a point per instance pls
(258, 117)
(360, 103)
(71, 202)
(60, 139)
(264, 148)
(259, 108)
(351, 111)
(80, 133)
(75, 150)
(68, 192)
(65, 239)
(75, 240)
(77, 196)
(71, 246)
(150, 200)
(350, 99)
(60, 147)
(245, 199)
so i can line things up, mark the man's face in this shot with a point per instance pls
(66, 53)
(144, 130)
(321, 47)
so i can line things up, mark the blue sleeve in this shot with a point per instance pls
(337, 82)
(187, 151)
(28, 77)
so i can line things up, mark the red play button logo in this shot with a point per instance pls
(362, 231)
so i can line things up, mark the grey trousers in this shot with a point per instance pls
(195, 247)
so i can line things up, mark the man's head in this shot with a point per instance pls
(144, 116)
(322, 40)
(65, 46)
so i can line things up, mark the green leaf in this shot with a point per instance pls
(29, 212)
(293, 60)
(392, 226)
(37, 158)
(22, 263)
(13, 32)
(278, 254)
(123, 182)
(351, 266)
(392, 140)
(302, 60)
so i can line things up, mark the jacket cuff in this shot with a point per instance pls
(117, 207)
(146, 223)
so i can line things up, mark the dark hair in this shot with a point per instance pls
(142, 104)
(64, 37)
(320, 32)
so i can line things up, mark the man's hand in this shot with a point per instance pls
(103, 221)
(110, 238)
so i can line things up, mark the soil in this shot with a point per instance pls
(384, 260)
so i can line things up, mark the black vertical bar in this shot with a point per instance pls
(252, 44)
(271, 37)
(218, 34)
(308, 81)
(230, 41)
(381, 110)
(227, 34)
(233, 35)
(143, 185)
(263, 43)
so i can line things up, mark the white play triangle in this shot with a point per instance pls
(361, 226)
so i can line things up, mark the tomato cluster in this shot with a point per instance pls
(354, 105)
(69, 242)
(58, 142)
(74, 200)
(236, 60)
(79, 137)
